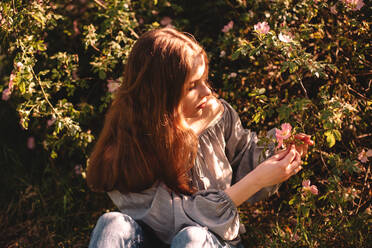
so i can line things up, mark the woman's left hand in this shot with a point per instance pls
(306, 142)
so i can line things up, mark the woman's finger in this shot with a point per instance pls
(290, 156)
(295, 163)
(296, 170)
(281, 154)
(305, 138)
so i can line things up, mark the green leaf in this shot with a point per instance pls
(102, 75)
(22, 87)
(284, 66)
(331, 140)
(293, 67)
(337, 134)
(236, 54)
(53, 155)
(254, 51)
(306, 211)
(257, 117)
(261, 91)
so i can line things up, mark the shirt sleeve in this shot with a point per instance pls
(243, 151)
(167, 212)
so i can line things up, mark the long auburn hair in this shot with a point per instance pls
(143, 140)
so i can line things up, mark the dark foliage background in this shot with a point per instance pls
(60, 62)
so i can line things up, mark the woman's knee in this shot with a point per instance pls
(115, 228)
(192, 236)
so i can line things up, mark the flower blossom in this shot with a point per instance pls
(333, 10)
(363, 155)
(262, 27)
(222, 54)
(227, 27)
(166, 21)
(354, 4)
(19, 65)
(232, 75)
(141, 20)
(283, 134)
(295, 237)
(2, 20)
(11, 82)
(6, 94)
(285, 37)
(309, 188)
(51, 121)
(31, 143)
(112, 85)
(78, 169)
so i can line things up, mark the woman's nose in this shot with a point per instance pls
(204, 90)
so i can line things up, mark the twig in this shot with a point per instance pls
(14, 8)
(133, 32)
(365, 183)
(44, 94)
(356, 92)
(100, 4)
(364, 135)
(302, 85)
(321, 157)
(95, 48)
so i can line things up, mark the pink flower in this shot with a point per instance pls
(31, 143)
(51, 121)
(11, 83)
(166, 21)
(354, 4)
(2, 20)
(309, 188)
(306, 183)
(227, 27)
(6, 94)
(283, 134)
(295, 237)
(19, 65)
(333, 10)
(112, 85)
(141, 20)
(262, 27)
(76, 29)
(363, 155)
(78, 169)
(314, 190)
(232, 75)
(285, 37)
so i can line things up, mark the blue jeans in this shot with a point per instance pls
(116, 229)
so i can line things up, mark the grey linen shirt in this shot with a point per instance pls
(226, 153)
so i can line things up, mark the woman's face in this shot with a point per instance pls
(197, 91)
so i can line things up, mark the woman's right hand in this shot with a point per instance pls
(278, 168)
(274, 170)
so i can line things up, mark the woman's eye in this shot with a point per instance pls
(192, 86)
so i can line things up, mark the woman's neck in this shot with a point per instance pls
(211, 113)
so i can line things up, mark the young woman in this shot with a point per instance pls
(173, 158)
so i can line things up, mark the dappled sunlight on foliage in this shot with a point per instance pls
(305, 63)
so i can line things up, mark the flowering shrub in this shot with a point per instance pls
(305, 63)
(262, 28)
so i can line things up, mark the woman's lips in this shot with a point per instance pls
(202, 105)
